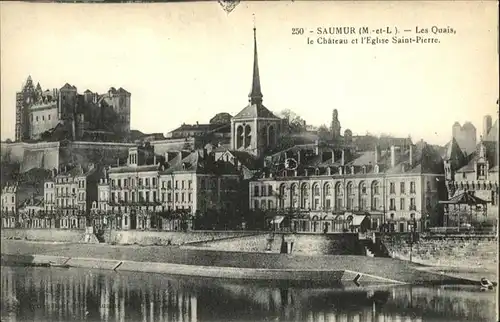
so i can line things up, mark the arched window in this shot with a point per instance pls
(248, 136)
(239, 137)
(327, 192)
(293, 196)
(350, 189)
(304, 195)
(316, 196)
(339, 196)
(316, 189)
(282, 196)
(350, 195)
(363, 196)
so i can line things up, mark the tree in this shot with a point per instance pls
(324, 133)
(295, 123)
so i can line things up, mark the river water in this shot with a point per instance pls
(58, 294)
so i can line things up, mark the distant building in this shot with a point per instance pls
(466, 136)
(30, 213)
(215, 130)
(14, 196)
(64, 114)
(9, 206)
(71, 194)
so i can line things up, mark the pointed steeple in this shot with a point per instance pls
(255, 96)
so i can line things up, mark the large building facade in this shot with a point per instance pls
(187, 182)
(75, 116)
(327, 189)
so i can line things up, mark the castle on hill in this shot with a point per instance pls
(53, 115)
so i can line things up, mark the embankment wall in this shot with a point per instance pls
(122, 237)
(91, 255)
(303, 244)
(466, 252)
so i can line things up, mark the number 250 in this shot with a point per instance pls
(297, 31)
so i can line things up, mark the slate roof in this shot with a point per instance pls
(196, 127)
(425, 159)
(255, 111)
(33, 202)
(464, 198)
(77, 171)
(248, 160)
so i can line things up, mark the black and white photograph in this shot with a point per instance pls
(249, 161)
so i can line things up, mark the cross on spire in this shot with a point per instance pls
(255, 96)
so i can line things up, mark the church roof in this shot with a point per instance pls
(255, 111)
(453, 151)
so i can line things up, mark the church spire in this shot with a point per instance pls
(255, 96)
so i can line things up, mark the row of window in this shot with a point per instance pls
(125, 209)
(36, 119)
(327, 203)
(267, 190)
(6, 199)
(147, 182)
(147, 196)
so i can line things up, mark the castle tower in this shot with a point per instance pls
(66, 107)
(335, 126)
(121, 106)
(24, 99)
(255, 129)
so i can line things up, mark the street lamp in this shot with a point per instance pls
(412, 227)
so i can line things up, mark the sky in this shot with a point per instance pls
(185, 62)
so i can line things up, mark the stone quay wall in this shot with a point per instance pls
(122, 237)
(449, 251)
(300, 244)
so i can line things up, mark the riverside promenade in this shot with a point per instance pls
(207, 263)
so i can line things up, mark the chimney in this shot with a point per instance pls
(342, 160)
(298, 156)
(166, 157)
(154, 158)
(333, 156)
(316, 148)
(393, 156)
(118, 162)
(411, 156)
(377, 154)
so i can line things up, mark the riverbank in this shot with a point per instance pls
(178, 261)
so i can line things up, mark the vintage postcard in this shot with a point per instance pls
(249, 161)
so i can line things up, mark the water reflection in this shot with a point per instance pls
(50, 294)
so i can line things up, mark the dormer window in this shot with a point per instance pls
(340, 170)
(352, 169)
(363, 169)
(376, 168)
(316, 172)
